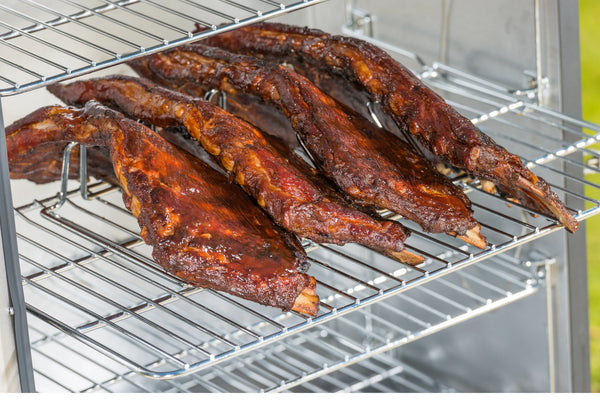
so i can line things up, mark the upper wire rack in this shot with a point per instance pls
(43, 41)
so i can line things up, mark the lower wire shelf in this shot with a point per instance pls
(349, 353)
(88, 274)
(103, 317)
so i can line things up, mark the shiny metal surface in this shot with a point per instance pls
(44, 41)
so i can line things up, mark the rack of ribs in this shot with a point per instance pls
(417, 109)
(371, 166)
(202, 228)
(289, 191)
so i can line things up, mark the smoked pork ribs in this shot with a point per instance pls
(416, 109)
(295, 196)
(370, 165)
(202, 228)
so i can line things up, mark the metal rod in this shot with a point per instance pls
(63, 33)
(123, 310)
(45, 43)
(98, 365)
(179, 14)
(122, 24)
(32, 55)
(64, 175)
(88, 341)
(109, 323)
(124, 288)
(78, 22)
(147, 17)
(11, 265)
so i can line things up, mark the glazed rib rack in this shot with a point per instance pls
(89, 303)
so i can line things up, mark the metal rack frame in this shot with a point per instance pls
(349, 285)
(295, 359)
(132, 30)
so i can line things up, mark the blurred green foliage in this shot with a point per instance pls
(589, 23)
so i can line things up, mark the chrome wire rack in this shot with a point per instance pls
(87, 273)
(43, 41)
(104, 315)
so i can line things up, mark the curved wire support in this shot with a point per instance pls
(217, 97)
(64, 175)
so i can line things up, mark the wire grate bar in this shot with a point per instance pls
(443, 298)
(45, 43)
(361, 263)
(61, 19)
(21, 68)
(149, 18)
(32, 55)
(263, 317)
(106, 350)
(344, 274)
(123, 311)
(242, 7)
(105, 220)
(73, 371)
(92, 28)
(103, 385)
(399, 313)
(104, 16)
(460, 289)
(181, 15)
(99, 255)
(125, 29)
(128, 311)
(102, 241)
(53, 380)
(212, 11)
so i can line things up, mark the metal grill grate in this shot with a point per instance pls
(302, 353)
(88, 273)
(42, 41)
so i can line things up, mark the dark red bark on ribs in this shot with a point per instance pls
(369, 164)
(415, 108)
(201, 228)
(283, 185)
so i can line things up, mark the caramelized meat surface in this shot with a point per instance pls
(370, 165)
(290, 192)
(201, 228)
(414, 107)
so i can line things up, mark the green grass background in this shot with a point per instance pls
(589, 25)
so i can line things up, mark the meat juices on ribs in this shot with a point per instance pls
(415, 108)
(284, 186)
(202, 229)
(371, 165)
